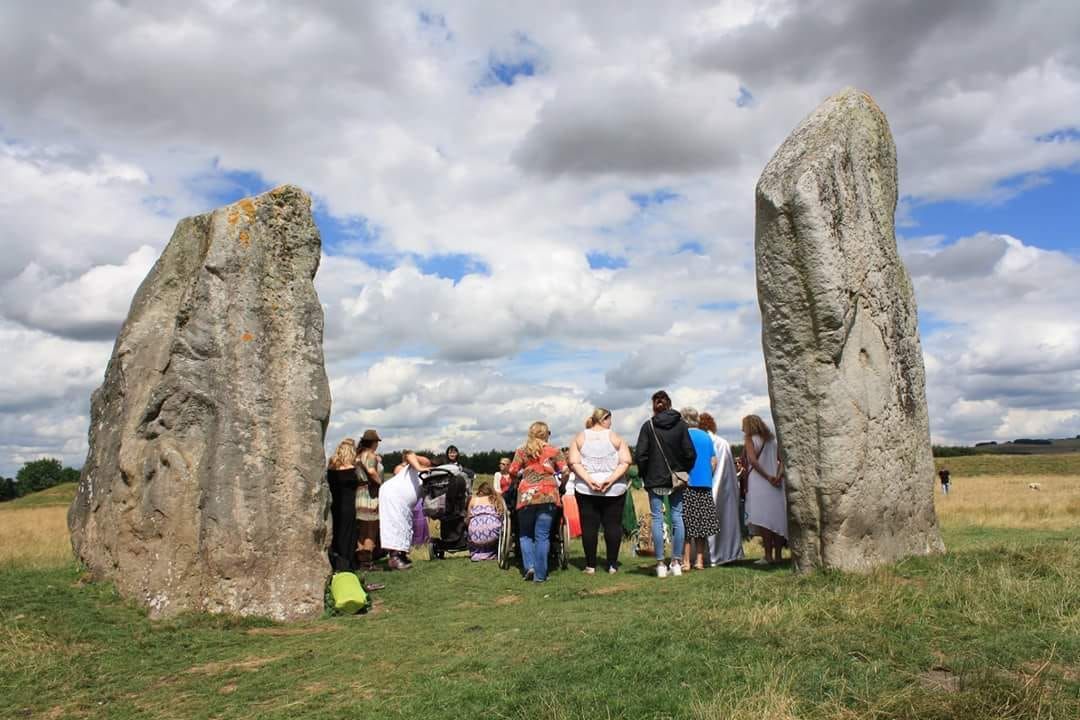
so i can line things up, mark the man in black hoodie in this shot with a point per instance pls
(663, 446)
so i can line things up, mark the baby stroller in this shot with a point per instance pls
(509, 547)
(445, 494)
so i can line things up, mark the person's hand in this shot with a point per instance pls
(774, 480)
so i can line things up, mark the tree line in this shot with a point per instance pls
(36, 475)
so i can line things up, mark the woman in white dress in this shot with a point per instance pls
(766, 501)
(726, 545)
(397, 498)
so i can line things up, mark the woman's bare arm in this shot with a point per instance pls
(624, 460)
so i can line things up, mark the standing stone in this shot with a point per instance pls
(841, 342)
(203, 489)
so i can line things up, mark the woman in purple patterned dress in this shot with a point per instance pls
(485, 519)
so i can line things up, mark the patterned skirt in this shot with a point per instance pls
(484, 527)
(699, 513)
(367, 507)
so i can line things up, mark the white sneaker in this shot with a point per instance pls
(661, 570)
(676, 569)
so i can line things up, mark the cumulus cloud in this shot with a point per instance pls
(631, 126)
(533, 140)
(1008, 342)
(648, 368)
(91, 306)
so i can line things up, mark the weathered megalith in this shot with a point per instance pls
(841, 343)
(203, 489)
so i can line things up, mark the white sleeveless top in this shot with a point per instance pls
(600, 457)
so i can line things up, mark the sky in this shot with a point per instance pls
(528, 209)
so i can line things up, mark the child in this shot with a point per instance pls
(484, 519)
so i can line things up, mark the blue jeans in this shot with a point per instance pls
(536, 540)
(678, 530)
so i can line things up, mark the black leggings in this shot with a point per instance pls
(597, 510)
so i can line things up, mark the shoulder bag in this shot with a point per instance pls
(679, 478)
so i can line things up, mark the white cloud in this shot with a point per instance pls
(117, 119)
(91, 306)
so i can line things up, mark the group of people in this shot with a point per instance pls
(680, 459)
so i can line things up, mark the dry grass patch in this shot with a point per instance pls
(247, 665)
(1007, 501)
(34, 537)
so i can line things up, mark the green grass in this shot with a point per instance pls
(1048, 464)
(991, 630)
(58, 495)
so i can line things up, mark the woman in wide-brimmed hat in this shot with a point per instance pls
(369, 472)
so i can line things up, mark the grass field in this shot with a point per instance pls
(990, 630)
(1011, 465)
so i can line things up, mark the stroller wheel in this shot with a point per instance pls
(506, 540)
(564, 544)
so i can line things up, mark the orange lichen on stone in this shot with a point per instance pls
(244, 237)
(247, 206)
(247, 337)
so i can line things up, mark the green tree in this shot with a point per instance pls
(39, 475)
(8, 489)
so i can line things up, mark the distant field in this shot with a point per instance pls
(59, 495)
(1045, 464)
(1066, 445)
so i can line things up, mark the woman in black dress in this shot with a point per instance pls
(341, 474)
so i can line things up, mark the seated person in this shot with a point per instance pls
(484, 518)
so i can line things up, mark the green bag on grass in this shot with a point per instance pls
(346, 593)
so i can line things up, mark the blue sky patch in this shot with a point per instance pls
(452, 266)
(691, 246)
(721, 305)
(223, 187)
(603, 261)
(523, 59)
(745, 98)
(1068, 134)
(1044, 215)
(659, 196)
(354, 236)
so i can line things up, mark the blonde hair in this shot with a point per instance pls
(690, 416)
(539, 432)
(598, 416)
(754, 425)
(488, 491)
(344, 457)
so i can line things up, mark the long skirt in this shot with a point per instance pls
(766, 506)
(397, 498)
(699, 513)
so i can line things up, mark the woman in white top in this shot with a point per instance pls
(766, 501)
(600, 459)
(397, 497)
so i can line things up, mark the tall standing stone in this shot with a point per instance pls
(841, 341)
(203, 489)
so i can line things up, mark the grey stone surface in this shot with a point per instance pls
(841, 342)
(204, 486)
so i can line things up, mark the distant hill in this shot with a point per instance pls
(1032, 446)
(61, 494)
